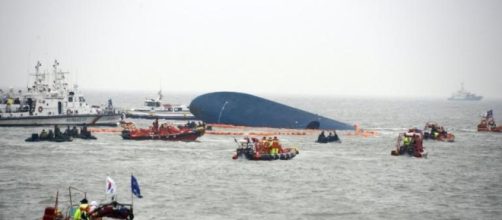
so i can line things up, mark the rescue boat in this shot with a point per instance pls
(436, 132)
(332, 137)
(113, 210)
(270, 149)
(410, 143)
(487, 123)
(167, 132)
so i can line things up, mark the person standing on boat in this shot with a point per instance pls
(44, 135)
(336, 136)
(8, 107)
(274, 149)
(57, 132)
(50, 136)
(417, 145)
(84, 132)
(82, 213)
(406, 142)
(321, 138)
(67, 132)
(30, 106)
(74, 132)
(156, 126)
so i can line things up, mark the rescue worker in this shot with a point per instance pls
(268, 145)
(156, 126)
(8, 107)
(262, 145)
(418, 147)
(406, 141)
(50, 136)
(82, 213)
(84, 132)
(336, 136)
(67, 132)
(321, 138)
(44, 135)
(274, 149)
(57, 132)
(492, 124)
(407, 144)
(74, 132)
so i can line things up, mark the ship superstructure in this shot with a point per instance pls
(51, 100)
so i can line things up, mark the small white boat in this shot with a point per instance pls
(50, 100)
(156, 108)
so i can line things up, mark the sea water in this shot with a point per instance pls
(357, 179)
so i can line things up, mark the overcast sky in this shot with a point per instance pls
(356, 48)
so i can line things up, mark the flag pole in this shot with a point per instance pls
(132, 197)
(56, 205)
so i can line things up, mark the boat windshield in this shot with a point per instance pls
(152, 104)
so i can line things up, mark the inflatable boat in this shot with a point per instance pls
(266, 149)
(410, 143)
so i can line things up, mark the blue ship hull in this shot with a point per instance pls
(248, 110)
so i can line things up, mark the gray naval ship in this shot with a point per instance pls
(50, 100)
(247, 110)
(464, 95)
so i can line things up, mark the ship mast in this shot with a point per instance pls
(60, 83)
(40, 84)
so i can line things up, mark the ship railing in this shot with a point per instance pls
(16, 108)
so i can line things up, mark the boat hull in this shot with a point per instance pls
(487, 129)
(154, 115)
(148, 135)
(247, 110)
(249, 154)
(466, 99)
(83, 119)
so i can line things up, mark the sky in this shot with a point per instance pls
(388, 48)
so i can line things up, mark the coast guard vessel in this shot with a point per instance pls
(464, 95)
(50, 100)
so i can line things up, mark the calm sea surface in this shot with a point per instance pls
(357, 179)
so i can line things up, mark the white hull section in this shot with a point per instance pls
(161, 115)
(465, 99)
(87, 119)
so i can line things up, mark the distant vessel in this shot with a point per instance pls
(51, 101)
(464, 95)
(156, 108)
(247, 110)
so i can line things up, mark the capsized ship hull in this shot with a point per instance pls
(248, 110)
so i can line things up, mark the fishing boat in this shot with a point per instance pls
(51, 100)
(266, 149)
(464, 95)
(157, 108)
(165, 131)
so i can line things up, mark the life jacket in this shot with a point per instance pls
(82, 212)
(406, 141)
